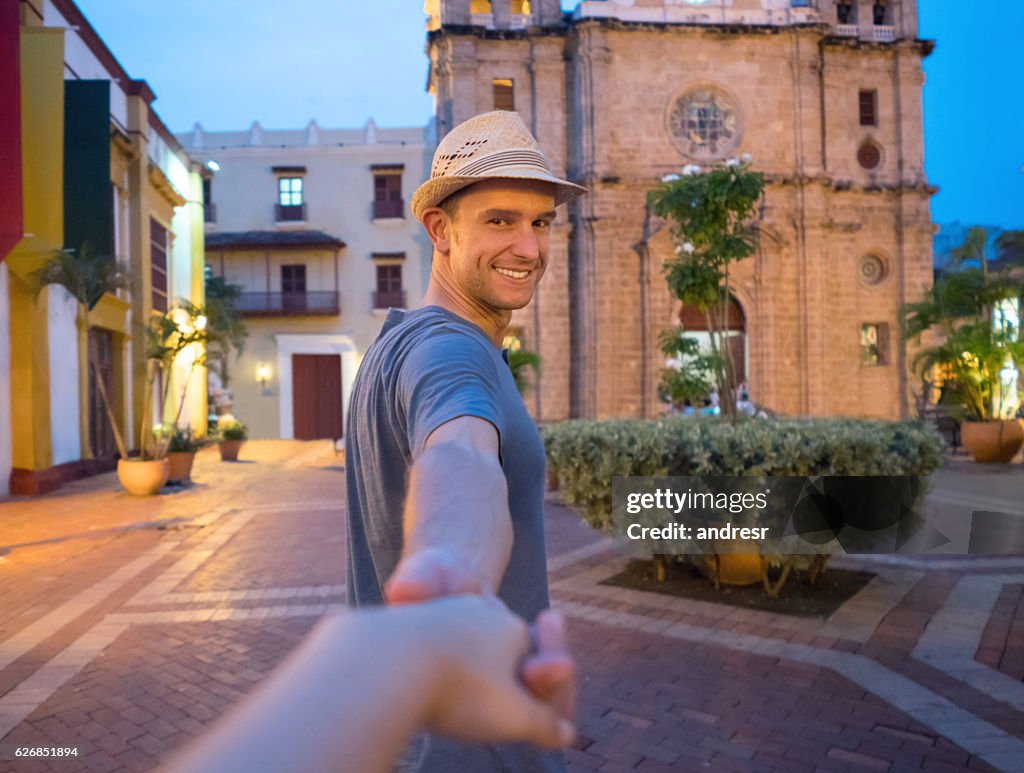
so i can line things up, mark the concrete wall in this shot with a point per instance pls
(64, 382)
(5, 385)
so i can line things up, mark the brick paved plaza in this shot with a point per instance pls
(128, 625)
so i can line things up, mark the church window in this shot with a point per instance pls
(846, 13)
(868, 107)
(874, 344)
(704, 123)
(869, 155)
(880, 12)
(504, 94)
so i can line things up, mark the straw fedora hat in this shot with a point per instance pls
(488, 146)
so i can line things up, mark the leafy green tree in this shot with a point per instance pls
(521, 362)
(710, 212)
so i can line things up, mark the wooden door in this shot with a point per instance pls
(101, 437)
(316, 396)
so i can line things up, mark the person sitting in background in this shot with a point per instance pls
(349, 698)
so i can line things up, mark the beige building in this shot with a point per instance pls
(313, 225)
(825, 95)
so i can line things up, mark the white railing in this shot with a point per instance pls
(519, 21)
(482, 20)
(847, 30)
(885, 33)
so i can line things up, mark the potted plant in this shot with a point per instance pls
(181, 453)
(232, 435)
(975, 364)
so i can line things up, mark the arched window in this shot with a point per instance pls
(479, 6)
(880, 13)
(846, 13)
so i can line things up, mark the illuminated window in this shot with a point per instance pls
(480, 6)
(289, 191)
(513, 339)
(520, 7)
(504, 94)
(874, 344)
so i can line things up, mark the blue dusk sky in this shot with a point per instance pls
(226, 63)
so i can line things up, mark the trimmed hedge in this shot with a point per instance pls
(587, 453)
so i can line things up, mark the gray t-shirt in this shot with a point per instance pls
(427, 367)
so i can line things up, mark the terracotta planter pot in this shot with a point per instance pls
(142, 477)
(737, 568)
(229, 450)
(993, 441)
(180, 465)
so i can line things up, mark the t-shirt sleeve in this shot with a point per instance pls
(448, 375)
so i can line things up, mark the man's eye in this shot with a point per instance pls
(541, 224)
(498, 221)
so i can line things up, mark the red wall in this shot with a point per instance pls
(11, 227)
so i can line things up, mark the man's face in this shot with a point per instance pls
(500, 241)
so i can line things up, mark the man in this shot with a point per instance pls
(437, 430)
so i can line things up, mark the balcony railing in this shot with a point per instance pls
(284, 213)
(318, 303)
(847, 30)
(385, 209)
(209, 212)
(885, 33)
(519, 21)
(383, 299)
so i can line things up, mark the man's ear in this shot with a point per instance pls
(439, 229)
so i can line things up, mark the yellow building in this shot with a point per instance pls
(98, 166)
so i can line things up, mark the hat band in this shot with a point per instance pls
(480, 167)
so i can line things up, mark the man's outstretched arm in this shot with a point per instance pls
(457, 531)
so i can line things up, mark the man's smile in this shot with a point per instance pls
(512, 273)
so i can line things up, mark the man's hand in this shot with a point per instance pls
(429, 574)
(457, 530)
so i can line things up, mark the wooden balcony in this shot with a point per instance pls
(308, 304)
(384, 299)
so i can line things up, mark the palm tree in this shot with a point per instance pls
(518, 362)
(225, 330)
(87, 276)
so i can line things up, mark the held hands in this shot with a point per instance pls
(482, 659)
(547, 669)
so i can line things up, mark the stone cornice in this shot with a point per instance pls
(781, 181)
(922, 47)
(164, 186)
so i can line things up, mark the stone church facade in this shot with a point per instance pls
(826, 97)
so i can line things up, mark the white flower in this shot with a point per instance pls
(732, 162)
(687, 247)
(690, 169)
(746, 158)
(670, 178)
